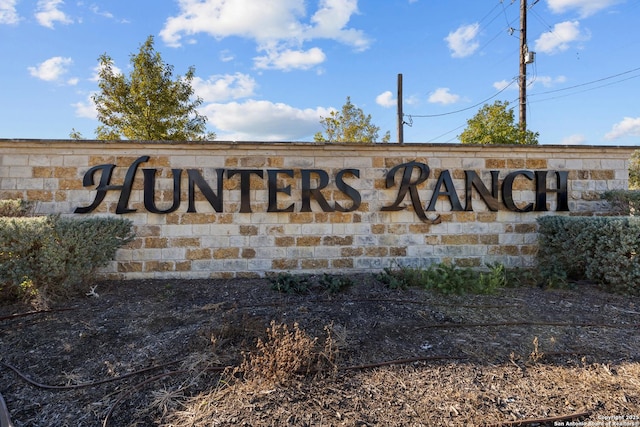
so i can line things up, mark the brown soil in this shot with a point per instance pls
(147, 353)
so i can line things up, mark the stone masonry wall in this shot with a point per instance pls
(268, 209)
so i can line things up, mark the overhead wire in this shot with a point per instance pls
(588, 83)
(464, 109)
(586, 90)
(540, 93)
(535, 74)
(510, 30)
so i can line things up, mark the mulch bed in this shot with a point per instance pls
(161, 352)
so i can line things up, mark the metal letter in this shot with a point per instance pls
(473, 180)
(407, 185)
(445, 178)
(128, 185)
(308, 192)
(150, 190)
(101, 189)
(104, 186)
(245, 186)
(351, 192)
(274, 190)
(560, 190)
(195, 179)
(507, 191)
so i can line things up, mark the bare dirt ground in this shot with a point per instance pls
(148, 353)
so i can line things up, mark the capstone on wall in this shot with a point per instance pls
(223, 209)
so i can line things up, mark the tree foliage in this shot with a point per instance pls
(349, 125)
(148, 104)
(495, 124)
(634, 170)
(75, 134)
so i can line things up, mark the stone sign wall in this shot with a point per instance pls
(222, 209)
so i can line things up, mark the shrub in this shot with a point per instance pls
(394, 279)
(600, 249)
(15, 208)
(334, 284)
(446, 279)
(286, 354)
(290, 284)
(46, 257)
(623, 202)
(557, 257)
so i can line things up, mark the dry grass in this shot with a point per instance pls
(465, 360)
(448, 394)
(275, 390)
(285, 355)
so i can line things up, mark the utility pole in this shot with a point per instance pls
(400, 114)
(524, 57)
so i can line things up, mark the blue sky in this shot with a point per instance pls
(269, 69)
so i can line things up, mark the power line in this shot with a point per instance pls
(447, 133)
(411, 116)
(587, 90)
(489, 13)
(509, 29)
(587, 83)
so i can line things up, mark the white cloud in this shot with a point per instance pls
(52, 69)
(288, 59)
(96, 71)
(548, 81)
(8, 12)
(106, 14)
(331, 20)
(443, 96)
(243, 18)
(86, 109)
(584, 7)
(629, 126)
(503, 84)
(280, 29)
(263, 121)
(462, 41)
(48, 13)
(226, 56)
(559, 39)
(576, 139)
(224, 87)
(281, 21)
(386, 99)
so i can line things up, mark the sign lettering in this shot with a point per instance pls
(406, 178)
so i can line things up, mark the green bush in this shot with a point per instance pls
(446, 279)
(46, 257)
(288, 283)
(600, 249)
(623, 202)
(335, 284)
(15, 208)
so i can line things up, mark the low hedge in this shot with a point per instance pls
(45, 257)
(15, 208)
(623, 202)
(599, 249)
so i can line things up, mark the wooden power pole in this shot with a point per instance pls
(400, 113)
(524, 57)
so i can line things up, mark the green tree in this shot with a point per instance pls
(349, 125)
(148, 104)
(75, 134)
(634, 171)
(495, 124)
